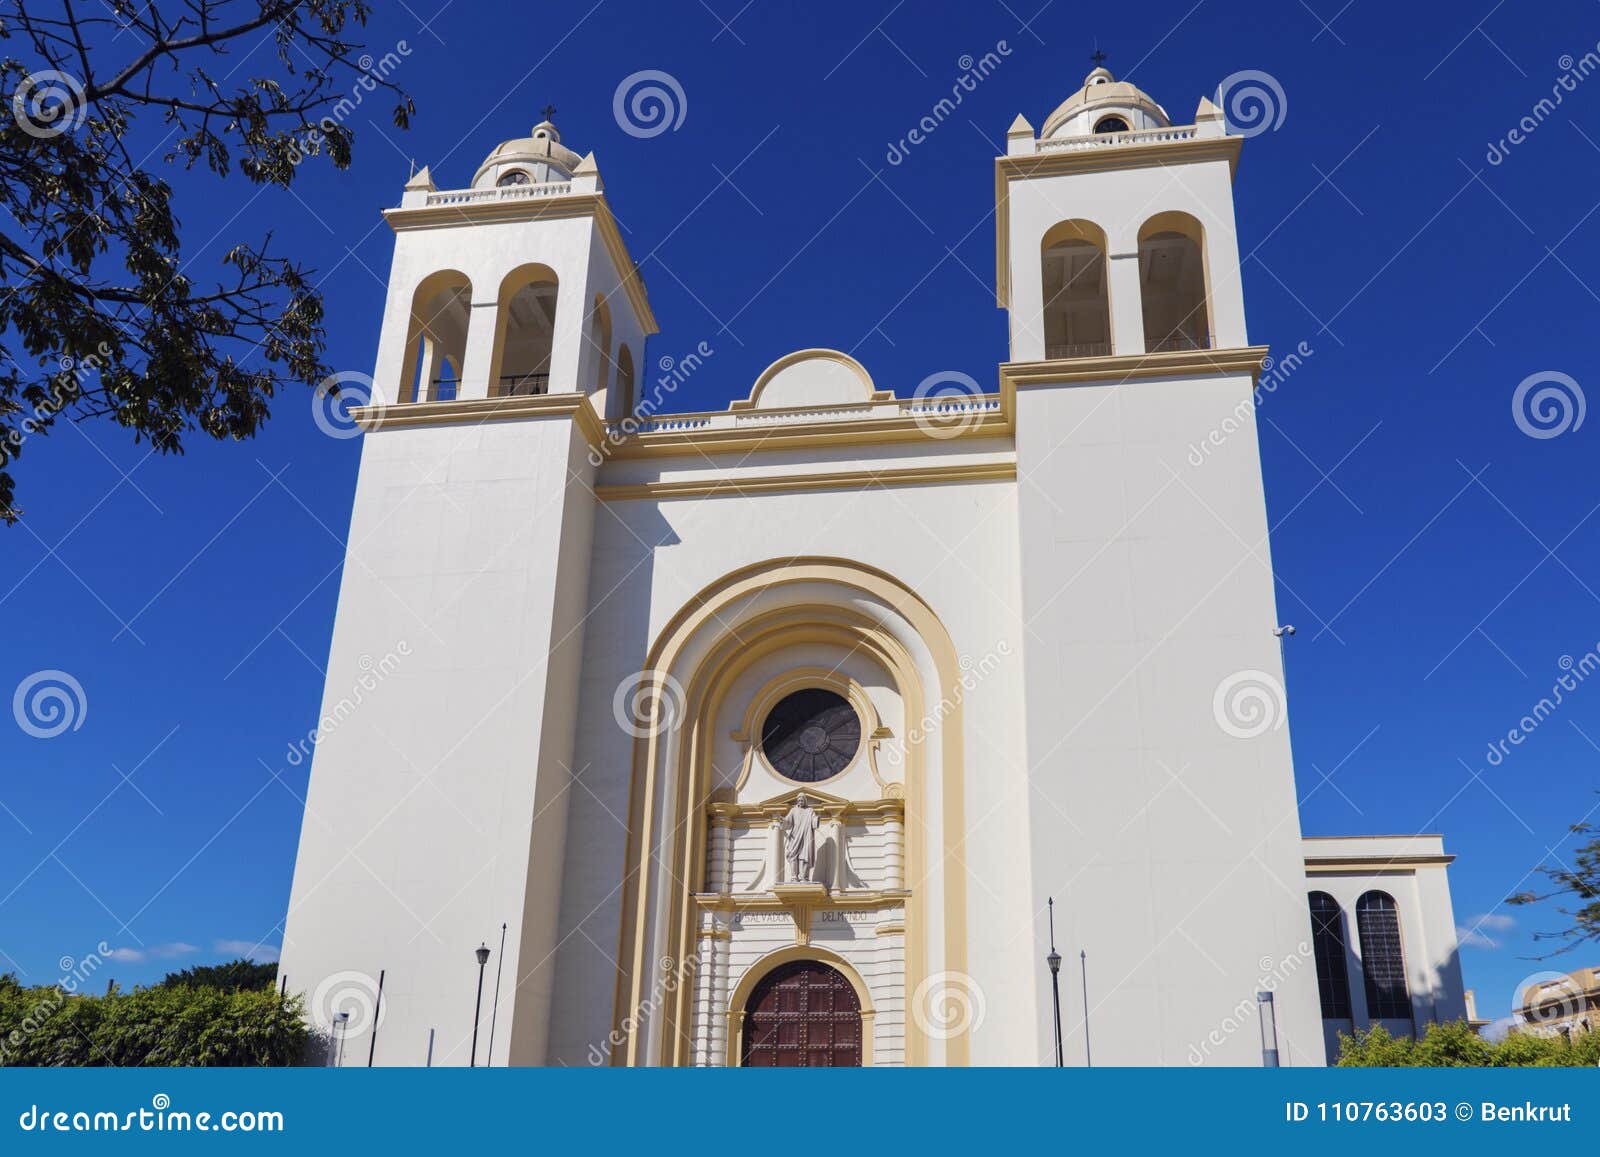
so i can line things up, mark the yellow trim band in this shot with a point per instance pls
(470, 411)
(840, 480)
(1127, 367)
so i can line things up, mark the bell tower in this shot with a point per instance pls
(518, 285)
(1147, 583)
(1116, 230)
(441, 771)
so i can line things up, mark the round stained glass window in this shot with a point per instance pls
(811, 735)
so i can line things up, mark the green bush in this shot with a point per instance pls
(233, 976)
(177, 1025)
(1456, 1045)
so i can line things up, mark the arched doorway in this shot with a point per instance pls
(803, 1014)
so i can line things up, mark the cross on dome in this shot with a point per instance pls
(1104, 104)
(540, 156)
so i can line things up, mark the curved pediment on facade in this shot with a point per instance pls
(815, 377)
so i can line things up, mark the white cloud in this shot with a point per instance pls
(1476, 932)
(250, 949)
(155, 952)
(1497, 1029)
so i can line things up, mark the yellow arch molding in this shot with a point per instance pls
(753, 975)
(784, 627)
(667, 653)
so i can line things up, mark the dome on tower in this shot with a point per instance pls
(539, 156)
(1104, 105)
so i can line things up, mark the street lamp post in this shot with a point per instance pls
(1054, 961)
(336, 1041)
(1269, 1030)
(1083, 966)
(482, 953)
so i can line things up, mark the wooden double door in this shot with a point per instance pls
(802, 1014)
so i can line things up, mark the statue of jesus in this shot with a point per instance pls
(800, 840)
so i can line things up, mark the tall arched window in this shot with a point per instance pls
(1383, 958)
(525, 335)
(1077, 306)
(1327, 943)
(625, 399)
(436, 341)
(1173, 284)
(600, 339)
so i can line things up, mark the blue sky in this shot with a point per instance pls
(1439, 562)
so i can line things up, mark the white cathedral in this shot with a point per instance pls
(1012, 646)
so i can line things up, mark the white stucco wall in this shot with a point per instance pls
(1172, 848)
(468, 556)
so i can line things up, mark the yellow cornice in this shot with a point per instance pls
(839, 432)
(537, 209)
(755, 813)
(828, 901)
(1132, 156)
(1126, 367)
(1056, 163)
(841, 479)
(470, 411)
(1317, 865)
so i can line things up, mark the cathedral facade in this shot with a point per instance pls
(850, 724)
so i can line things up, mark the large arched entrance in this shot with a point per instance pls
(699, 890)
(803, 1014)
